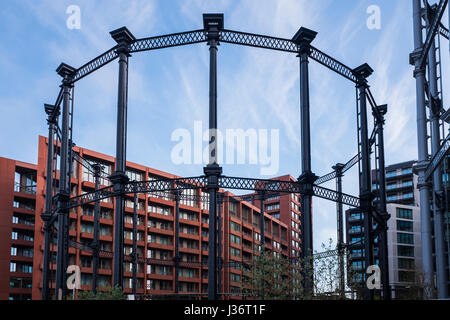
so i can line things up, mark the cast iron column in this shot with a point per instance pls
(261, 221)
(219, 245)
(176, 258)
(438, 192)
(384, 254)
(66, 72)
(53, 114)
(362, 72)
(135, 255)
(303, 39)
(119, 178)
(95, 243)
(424, 188)
(213, 23)
(340, 231)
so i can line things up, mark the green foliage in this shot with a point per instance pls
(110, 293)
(270, 277)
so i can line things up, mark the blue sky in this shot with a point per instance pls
(168, 89)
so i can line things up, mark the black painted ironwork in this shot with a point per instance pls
(213, 33)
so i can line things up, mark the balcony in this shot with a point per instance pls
(356, 255)
(355, 218)
(355, 230)
(31, 189)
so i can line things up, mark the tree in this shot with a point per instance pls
(270, 277)
(109, 293)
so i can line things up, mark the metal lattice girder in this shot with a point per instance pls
(437, 158)
(259, 41)
(443, 31)
(325, 178)
(93, 196)
(95, 64)
(258, 184)
(332, 64)
(332, 195)
(285, 186)
(87, 164)
(434, 27)
(332, 175)
(165, 185)
(170, 40)
(350, 163)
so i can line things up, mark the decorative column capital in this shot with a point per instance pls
(97, 169)
(338, 168)
(124, 38)
(52, 113)
(213, 24)
(362, 73)
(66, 72)
(212, 172)
(177, 194)
(381, 112)
(303, 39)
(306, 182)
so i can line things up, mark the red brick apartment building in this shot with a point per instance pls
(155, 274)
(17, 223)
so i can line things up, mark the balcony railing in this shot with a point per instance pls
(354, 230)
(355, 218)
(25, 189)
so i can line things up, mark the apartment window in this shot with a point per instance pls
(407, 238)
(246, 212)
(235, 239)
(272, 206)
(405, 263)
(105, 231)
(12, 267)
(134, 175)
(405, 251)
(390, 174)
(405, 225)
(408, 195)
(14, 235)
(407, 171)
(391, 186)
(235, 227)
(233, 208)
(408, 183)
(406, 276)
(86, 279)
(235, 277)
(192, 216)
(404, 213)
(235, 252)
(160, 210)
(392, 197)
(13, 251)
(88, 228)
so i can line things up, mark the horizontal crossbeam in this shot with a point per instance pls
(95, 64)
(332, 175)
(167, 41)
(332, 64)
(271, 186)
(332, 195)
(257, 40)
